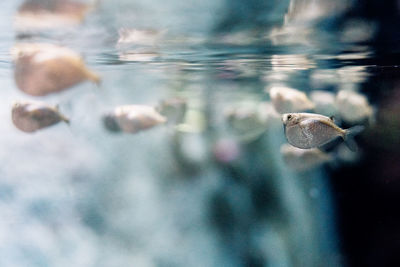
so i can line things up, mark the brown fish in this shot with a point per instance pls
(45, 14)
(132, 118)
(41, 69)
(32, 116)
(309, 130)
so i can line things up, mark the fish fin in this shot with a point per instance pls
(94, 77)
(332, 118)
(349, 134)
(65, 119)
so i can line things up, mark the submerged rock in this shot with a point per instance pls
(32, 116)
(41, 69)
(132, 118)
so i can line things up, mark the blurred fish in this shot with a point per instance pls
(247, 122)
(324, 102)
(303, 159)
(174, 109)
(286, 100)
(139, 37)
(132, 118)
(41, 69)
(48, 14)
(32, 116)
(353, 107)
(309, 130)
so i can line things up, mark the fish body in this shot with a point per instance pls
(41, 69)
(32, 116)
(43, 15)
(353, 107)
(286, 100)
(246, 121)
(174, 109)
(132, 118)
(309, 130)
(324, 102)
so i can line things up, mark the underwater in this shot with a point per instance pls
(199, 133)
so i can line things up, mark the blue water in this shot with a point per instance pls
(80, 196)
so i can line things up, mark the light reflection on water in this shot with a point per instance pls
(80, 196)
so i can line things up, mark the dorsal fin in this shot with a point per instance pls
(332, 118)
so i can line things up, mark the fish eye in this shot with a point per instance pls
(289, 117)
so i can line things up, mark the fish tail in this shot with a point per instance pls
(93, 77)
(349, 134)
(65, 119)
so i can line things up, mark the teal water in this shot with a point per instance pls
(80, 196)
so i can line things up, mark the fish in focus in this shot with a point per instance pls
(32, 116)
(132, 118)
(303, 159)
(309, 130)
(41, 69)
(287, 100)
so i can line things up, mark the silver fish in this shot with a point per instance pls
(132, 118)
(174, 109)
(309, 130)
(32, 116)
(287, 99)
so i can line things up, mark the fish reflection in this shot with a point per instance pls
(309, 130)
(287, 99)
(41, 69)
(303, 159)
(45, 14)
(32, 116)
(132, 118)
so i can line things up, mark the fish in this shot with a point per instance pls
(285, 100)
(310, 130)
(324, 102)
(41, 69)
(32, 116)
(139, 37)
(247, 121)
(353, 107)
(303, 159)
(174, 109)
(44, 15)
(132, 118)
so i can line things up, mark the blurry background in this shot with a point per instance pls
(212, 189)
